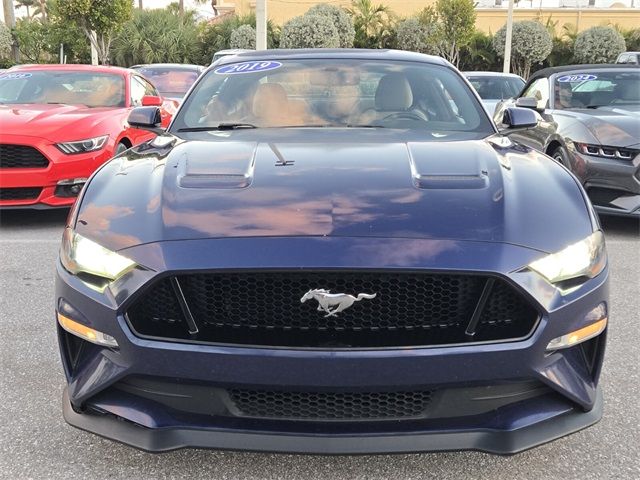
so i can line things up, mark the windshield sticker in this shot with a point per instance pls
(13, 76)
(581, 77)
(247, 67)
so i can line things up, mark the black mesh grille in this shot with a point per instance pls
(265, 308)
(503, 315)
(163, 311)
(21, 156)
(330, 405)
(22, 193)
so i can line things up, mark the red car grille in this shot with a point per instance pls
(22, 193)
(21, 156)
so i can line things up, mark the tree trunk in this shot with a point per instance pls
(140, 6)
(181, 7)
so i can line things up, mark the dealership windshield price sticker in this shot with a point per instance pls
(583, 77)
(247, 67)
(14, 76)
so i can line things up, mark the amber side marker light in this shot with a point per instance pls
(86, 333)
(599, 314)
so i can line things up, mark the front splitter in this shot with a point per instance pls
(503, 442)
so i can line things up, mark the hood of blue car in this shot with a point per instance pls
(322, 184)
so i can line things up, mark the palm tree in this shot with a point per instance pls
(181, 5)
(41, 8)
(370, 22)
(27, 4)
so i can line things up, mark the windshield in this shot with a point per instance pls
(598, 89)
(170, 82)
(83, 88)
(496, 87)
(333, 93)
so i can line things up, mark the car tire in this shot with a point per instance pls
(561, 156)
(119, 149)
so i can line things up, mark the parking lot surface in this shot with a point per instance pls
(36, 443)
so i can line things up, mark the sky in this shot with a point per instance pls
(205, 11)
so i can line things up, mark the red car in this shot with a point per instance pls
(59, 123)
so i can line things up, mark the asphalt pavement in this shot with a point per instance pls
(36, 443)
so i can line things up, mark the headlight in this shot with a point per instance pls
(81, 255)
(586, 258)
(83, 146)
(606, 152)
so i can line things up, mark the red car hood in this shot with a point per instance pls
(56, 122)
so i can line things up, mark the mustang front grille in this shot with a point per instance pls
(21, 156)
(265, 309)
(20, 193)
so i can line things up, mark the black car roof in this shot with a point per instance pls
(547, 72)
(355, 53)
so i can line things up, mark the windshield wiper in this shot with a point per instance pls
(329, 125)
(66, 103)
(220, 126)
(594, 106)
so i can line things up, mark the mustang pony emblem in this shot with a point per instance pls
(332, 303)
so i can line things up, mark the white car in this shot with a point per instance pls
(632, 58)
(494, 87)
(224, 53)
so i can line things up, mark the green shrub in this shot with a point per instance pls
(340, 19)
(6, 41)
(243, 37)
(213, 37)
(598, 45)
(632, 39)
(155, 36)
(478, 54)
(531, 44)
(309, 31)
(32, 37)
(413, 35)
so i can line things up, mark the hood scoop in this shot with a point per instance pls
(227, 166)
(434, 167)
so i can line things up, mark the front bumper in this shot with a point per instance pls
(45, 180)
(613, 185)
(504, 442)
(566, 399)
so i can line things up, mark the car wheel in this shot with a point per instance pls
(561, 156)
(119, 149)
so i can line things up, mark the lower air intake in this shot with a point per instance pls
(330, 405)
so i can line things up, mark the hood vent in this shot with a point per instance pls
(228, 165)
(433, 167)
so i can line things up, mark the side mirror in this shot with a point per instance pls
(151, 101)
(146, 118)
(528, 102)
(515, 118)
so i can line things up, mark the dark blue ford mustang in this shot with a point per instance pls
(332, 251)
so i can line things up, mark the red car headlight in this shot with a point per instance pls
(83, 146)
